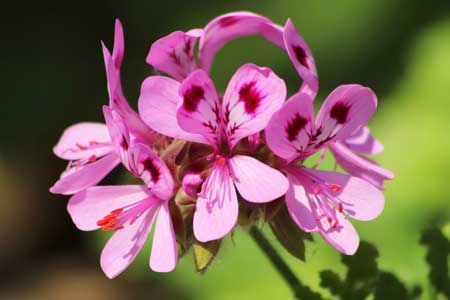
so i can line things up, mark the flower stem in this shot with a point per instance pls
(277, 261)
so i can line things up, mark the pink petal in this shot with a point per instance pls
(360, 166)
(217, 207)
(85, 176)
(343, 238)
(82, 141)
(199, 111)
(289, 130)
(91, 205)
(118, 131)
(302, 58)
(158, 106)
(164, 254)
(147, 165)
(299, 207)
(252, 96)
(119, 45)
(191, 182)
(363, 141)
(360, 199)
(230, 26)
(125, 244)
(255, 181)
(174, 54)
(345, 111)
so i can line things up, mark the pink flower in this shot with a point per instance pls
(191, 110)
(318, 200)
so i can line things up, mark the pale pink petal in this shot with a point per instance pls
(346, 110)
(83, 141)
(93, 204)
(255, 181)
(252, 96)
(174, 54)
(125, 244)
(164, 254)
(228, 27)
(302, 58)
(360, 199)
(158, 108)
(343, 237)
(289, 130)
(199, 111)
(217, 206)
(118, 131)
(85, 176)
(363, 141)
(191, 182)
(299, 206)
(147, 165)
(360, 166)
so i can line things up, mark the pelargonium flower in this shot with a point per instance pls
(191, 110)
(318, 200)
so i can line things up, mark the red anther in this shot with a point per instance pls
(117, 211)
(81, 147)
(117, 228)
(92, 143)
(334, 187)
(317, 190)
(318, 218)
(110, 221)
(340, 207)
(329, 219)
(335, 224)
(93, 158)
(221, 161)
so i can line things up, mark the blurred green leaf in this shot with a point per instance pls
(204, 254)
(331, 281)
(389, 287)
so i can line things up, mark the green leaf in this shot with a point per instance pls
(204, 254)
(331, 281)
(389, 287)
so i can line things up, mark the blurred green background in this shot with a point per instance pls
(53, 76)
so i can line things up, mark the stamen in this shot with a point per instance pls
(221, 161)
(334, 187)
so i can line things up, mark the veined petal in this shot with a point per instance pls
(364, 142)
(302, 58)
(84, 140)
(164, 254)
(252, 96)
(125, 244)
(91, 205)
(228, 27)
(158, 108)
(200, 111)
(174, 54)
(118, 131)
(290, 129)
(343, 238)
(85, 176)
(346, 110)
(217, 206)
(360, 166)
(255, 181)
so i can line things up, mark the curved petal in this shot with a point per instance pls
(85, 176)
(174, 54)
(118, 131)
(252, 96)
(119, 45)
(360, 166)
(199, 111)
(125, 244)
(346, 110)
(228, 27)
(255, 181)
(299, 207)
(363, 141)
(84, 140)
(91, 205)
(164, 254)
(302, 58)
(158, 108)
(217, 207)
(360, 199)
(290, 129)
(343, 238)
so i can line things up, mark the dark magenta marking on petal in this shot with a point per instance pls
(295, 126)
(187, 47)
(251, 97)
(300, 54)
(228, 21)
(124, 143)
(339, 112)
(192, 97)
(153, 169)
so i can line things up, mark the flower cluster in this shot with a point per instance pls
(205, 158)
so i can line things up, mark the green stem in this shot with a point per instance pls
(276, 260)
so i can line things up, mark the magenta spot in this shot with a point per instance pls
(228, 21)
(152, 168)
(251, 97)
(339, 112)
(124, 143)
(300, 54)
(295, 126)
(192, 97)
